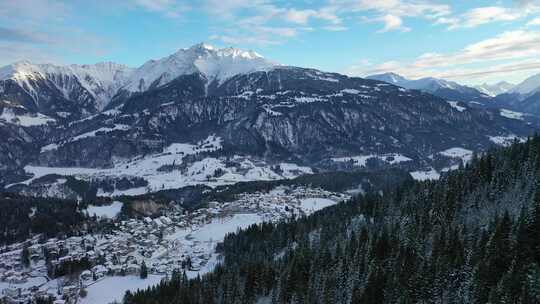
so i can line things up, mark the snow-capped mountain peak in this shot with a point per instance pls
(441, 87)
(215, 64)
(429, 84)
(529, 86)
(101, 80)
(495, 89)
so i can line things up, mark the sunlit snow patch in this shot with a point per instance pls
(310, 205)
(169, 169)
(454, 104)
(457, 152)
(431, 174)
(512, 114)
(110, 211)
(26, 120)
(361, 160)
(505, 140)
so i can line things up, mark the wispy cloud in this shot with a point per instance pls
(169, 8)
(392, 23)
(534, 22)
(265, 22)
(508, 52)
(392, 12)
(38, 30)
(489, 14)
(18, 35)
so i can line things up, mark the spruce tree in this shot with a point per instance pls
(144, 271)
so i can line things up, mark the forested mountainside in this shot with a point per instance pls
(22, 217)
(471, 237)
(174, 123)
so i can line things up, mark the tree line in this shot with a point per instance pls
(473, 236)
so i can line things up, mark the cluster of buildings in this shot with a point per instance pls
(64, 268)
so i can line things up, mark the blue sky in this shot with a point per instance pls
(467, 41)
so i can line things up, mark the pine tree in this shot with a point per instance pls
(25, 256)
(533, 282)
(144, 271)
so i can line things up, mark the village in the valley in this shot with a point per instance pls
(139, 252)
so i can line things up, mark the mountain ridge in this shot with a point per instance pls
(440, 87)
(262, 120)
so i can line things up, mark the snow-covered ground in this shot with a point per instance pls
(201, 171)
(511, 114)
(506, 140)
(431, 174)
(310, 205)
(454, 104)
(26, 120)
(361, 160)
(457, 152)
(110, 289)
(35, 281)
(216, 230)
(110, 211)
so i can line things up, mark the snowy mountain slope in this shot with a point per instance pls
(527, 87)
(100, 81)
(261, 111)
(51, 88)
(495, 89)
(524, 97)
(285, 114)
(215, 64)
(428, 84)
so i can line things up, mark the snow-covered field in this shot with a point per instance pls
(151, 167)
(110, 289)
(310, 205)
(431, 174)
(26, 120)
(36, 281)
(110, 211)
(505, 140)
(511, 114)
(217, 230)
(458, 153)
(464, 154)
(361, 160)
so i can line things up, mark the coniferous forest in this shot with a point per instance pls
(471, 237)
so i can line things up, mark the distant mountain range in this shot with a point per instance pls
(217, 116)
(495, 89)
(523, 97)
(439, 87)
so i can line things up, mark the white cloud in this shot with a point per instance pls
(482, 15)
(534, 22)
(299, 16)
(507, 53)
(170, 8)
(392, 12)
(392, 22)
(508, 45)
(489, 14)
(303, 16)
(27, 12)
(39, 31)
(265, 22)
